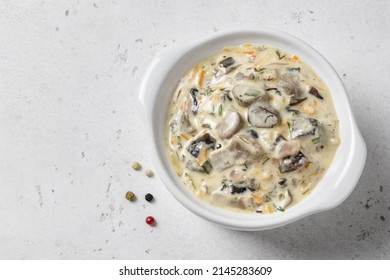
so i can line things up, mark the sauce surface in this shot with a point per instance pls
(251, 128)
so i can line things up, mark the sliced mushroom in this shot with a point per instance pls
(246, 95)
(268, 139)
(229, 125)
(227, 62)
(286, 148)
(286, 199)
(303, 126)
(289, 82)
(241, 149)
(194, 166)
(292, 163)
(314, 91)
(185, 124)
(262, 114)
(270, 74)
(239, 187)
(195, 105)
(202, 140)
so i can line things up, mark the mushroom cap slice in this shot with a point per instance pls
(229, 125)
(303, 126)
(292, 163)
(246, 95)
(262, 114)
(241, 149)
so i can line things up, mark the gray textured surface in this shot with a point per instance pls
(69, 129)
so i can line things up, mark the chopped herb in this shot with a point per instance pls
(316, 140)
(243, 139)
(178, 94)
(260, 70)
(220, 110)
(294, 69)
(252, 92)
(265, 161)
(280, 209)
(207, 167)
(279, 55)
(289, 125)
(209, 91)
(272, 190)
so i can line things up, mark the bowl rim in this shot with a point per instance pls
(160, 70)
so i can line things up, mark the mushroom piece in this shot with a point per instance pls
(195, 105)
(227, 62)
(246, 95)
(291, 87)
(229, 125)
(261, 114)
(286, 199)
(202, 140)
(194, 166)
(292, 163)
(270, 74)
(185, 124)
(286, 148)
(241, 149)
(303, 126)
(239, 187)
(314, 91)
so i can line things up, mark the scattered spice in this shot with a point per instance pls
(150, 220)
(149, 197)
(130, 196)
(382, 218)
(136, 165)
(148, 172)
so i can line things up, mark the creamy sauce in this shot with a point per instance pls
(251, 128)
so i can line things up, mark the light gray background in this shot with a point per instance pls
(69, 129)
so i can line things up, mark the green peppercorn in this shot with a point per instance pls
(130, 196)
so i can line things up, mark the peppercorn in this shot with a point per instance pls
(149, 197)
(130, 196)
(148, 172)
(136, 165)
(150, 220)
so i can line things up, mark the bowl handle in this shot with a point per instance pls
(157, 72)
(356, 161)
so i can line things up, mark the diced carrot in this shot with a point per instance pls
(200, 78)
(174, 140)
(215, 96)
(184, 105)
(202, 157)
(184, 136)
(295, 57)
(268, 208)
(248, 52)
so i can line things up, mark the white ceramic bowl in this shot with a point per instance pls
(157, 88)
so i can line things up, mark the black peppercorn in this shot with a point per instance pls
(149, 197)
